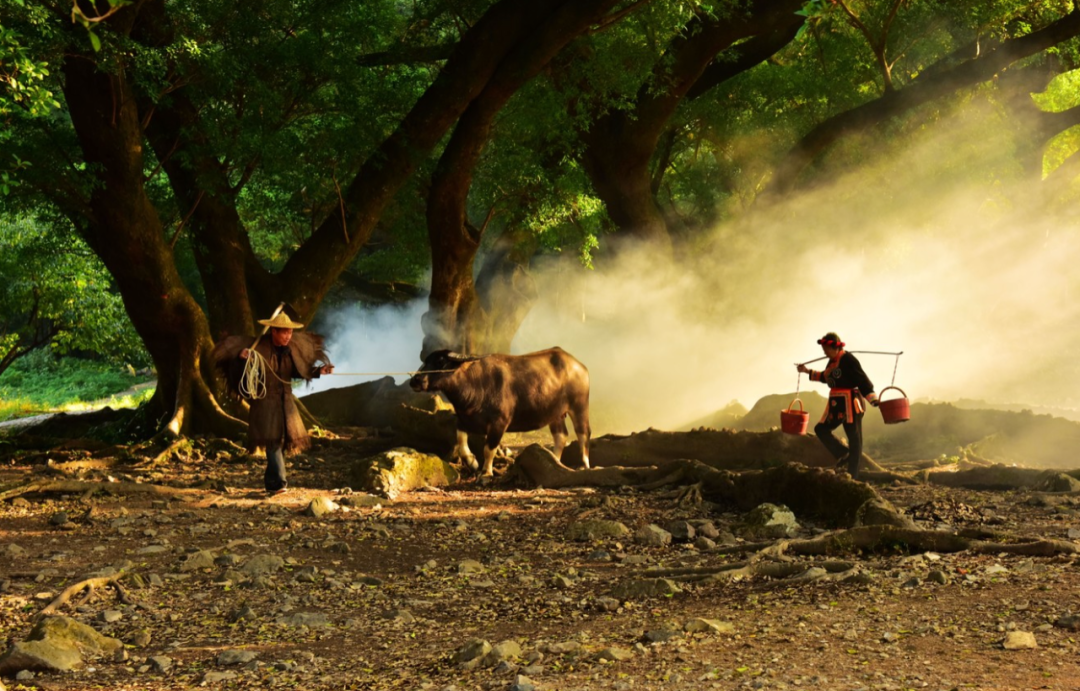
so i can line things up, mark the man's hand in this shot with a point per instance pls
(875, 402)
(244, 354)
(803, 369)
(326, 369)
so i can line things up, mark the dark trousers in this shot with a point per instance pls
(853, 450)
(275, 469)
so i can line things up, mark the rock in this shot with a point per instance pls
(645, 587)
(320, 506)
(218, 677)
(614, 654)
(262, 565)
(711, 626)
(1058, 482)
(1019, 640)
(881, 512)
(141, 638)
(704, 543)
(996, 570)
(770, 521)
(1070, 622)
(13, 551)
(501, 652)
(664, 633)
(309, 619)
(160, 663)
(522, 683)
(561, 582)
(403, 616)
(59, 518)
(152, 549)
(584, 531)
(401, 470)
(110, 616)
(705, 528)
(682, 531)
(363, 501)
(199, 560)
(938, 576)
(235, 657)
(652, 536)
(57, 644)
(607, 604)
(473, 651)
(563, 648)
(242, 613)
(470, 567)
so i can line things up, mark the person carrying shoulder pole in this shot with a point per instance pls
(848, 388)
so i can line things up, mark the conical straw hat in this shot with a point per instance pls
(281, 321)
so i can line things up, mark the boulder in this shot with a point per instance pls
(57, 644)
(400, 470)
(770, 521)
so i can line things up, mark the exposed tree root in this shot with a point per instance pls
(807, 491)
(90, 585)
(83, 487)
(874, 537)
(791, 572)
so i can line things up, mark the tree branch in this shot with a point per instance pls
(926, 87)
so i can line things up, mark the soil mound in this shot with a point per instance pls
(721, 449)
(943, 429)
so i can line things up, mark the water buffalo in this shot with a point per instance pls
(495, 394)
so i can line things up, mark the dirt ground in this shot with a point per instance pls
(401, 593)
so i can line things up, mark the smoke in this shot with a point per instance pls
(925, 252)
(370, 340)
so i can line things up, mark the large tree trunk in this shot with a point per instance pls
(621, 144)
(455, 318)
(504, 28)
(126, 233)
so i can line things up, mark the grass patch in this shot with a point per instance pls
(43, 383)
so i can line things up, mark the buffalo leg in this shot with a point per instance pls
(559, 434)
(462, 451)
(580, 419)
(491, 445)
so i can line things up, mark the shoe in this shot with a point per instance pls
(276, 492)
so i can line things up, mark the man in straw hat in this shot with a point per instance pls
(848, 387)
(262, 374)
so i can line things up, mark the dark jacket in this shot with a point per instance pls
(846, 373)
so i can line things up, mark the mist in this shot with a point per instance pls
(926, 252)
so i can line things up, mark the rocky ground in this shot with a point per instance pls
(492, 587)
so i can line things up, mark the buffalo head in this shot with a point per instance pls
(437, 366)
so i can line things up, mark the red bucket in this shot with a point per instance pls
(794, 421)
(896, 410)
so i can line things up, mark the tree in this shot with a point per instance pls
(154, 80)
(456, 317)
(56, 292)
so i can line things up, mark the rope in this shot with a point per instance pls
(381, 374)
(253, 379)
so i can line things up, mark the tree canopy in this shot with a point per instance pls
(219, 158)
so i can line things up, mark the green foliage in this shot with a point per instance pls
(42, 382)
(57, 293)
(23, 73)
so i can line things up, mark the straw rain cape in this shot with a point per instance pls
(273, 419)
